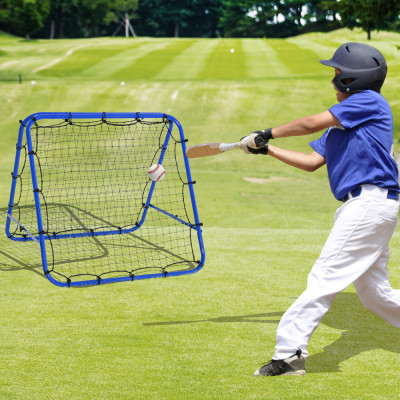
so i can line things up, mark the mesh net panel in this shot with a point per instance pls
(93, 188)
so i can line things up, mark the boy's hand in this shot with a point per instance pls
(258, 139)
(243, 144)
(261, 150)
(246, 141)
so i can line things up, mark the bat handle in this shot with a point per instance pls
(228, 146)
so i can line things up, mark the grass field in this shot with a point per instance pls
(201, 336)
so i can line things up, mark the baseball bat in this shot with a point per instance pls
(210, 149)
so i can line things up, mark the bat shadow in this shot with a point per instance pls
(361, 331)
(258, 318)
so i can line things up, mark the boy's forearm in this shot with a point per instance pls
(305, 161)
(305, 125)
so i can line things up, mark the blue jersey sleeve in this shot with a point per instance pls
(319, 145)
(356, 109)
(360, 150)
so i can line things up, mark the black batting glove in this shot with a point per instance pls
(262, 138)
(263, 150)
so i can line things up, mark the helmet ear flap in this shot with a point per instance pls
(345, 82)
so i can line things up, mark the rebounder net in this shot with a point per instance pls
(82, 192)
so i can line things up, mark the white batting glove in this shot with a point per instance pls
(250, 140)
(243, 144)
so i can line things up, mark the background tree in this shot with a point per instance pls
(178, 18)
(23, 17)
(163, 18)
(276, 18)
(75, 18)
(194, 18)
(86, 18)
(292, 10)
(367, 14)
(234, 20)
(205, 19)
(121, 11)
(246, 18)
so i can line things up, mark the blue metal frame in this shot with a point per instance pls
(25, 127)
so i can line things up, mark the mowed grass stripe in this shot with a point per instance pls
(79, 61)
(324, 45)
(36, 55)
(150, 64)
(94, 61)
(224, 64)
(322, 49)
(262, 60)
(190, 62)
(300, 61)
(108, 68)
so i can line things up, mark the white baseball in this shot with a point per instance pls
(156, 172)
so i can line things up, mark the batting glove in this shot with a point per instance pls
(243, 144)
(249, 142)
(258, 139)
(248, 150)
(262, 150)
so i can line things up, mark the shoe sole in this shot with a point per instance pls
(299, 372)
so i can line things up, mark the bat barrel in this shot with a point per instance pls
(210, 149)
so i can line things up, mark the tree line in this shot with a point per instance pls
(192, 18)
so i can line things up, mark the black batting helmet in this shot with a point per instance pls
(362, 67)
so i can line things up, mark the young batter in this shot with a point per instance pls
(358, 151)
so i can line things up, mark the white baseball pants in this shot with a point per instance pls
(356, 251)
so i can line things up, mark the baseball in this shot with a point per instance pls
(156, 172)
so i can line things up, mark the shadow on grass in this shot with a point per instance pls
(16, 256)
(259, 318)
(362, 331)
(76, 259)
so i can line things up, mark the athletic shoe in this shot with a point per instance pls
(294, 365)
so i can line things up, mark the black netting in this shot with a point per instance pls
(92, 179)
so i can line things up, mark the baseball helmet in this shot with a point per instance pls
(362, 67)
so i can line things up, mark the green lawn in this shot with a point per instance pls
(200, 336)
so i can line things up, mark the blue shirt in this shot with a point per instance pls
(360, 150)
